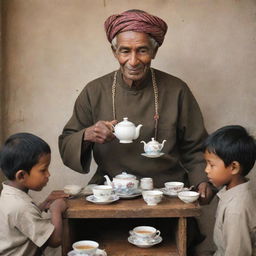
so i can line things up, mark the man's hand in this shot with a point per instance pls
(101, 132)
(56, 194)
(206, 193)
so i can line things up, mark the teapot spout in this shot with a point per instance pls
(137, 131)
(108, 180)
(162, 145)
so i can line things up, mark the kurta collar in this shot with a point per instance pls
(147, 82)
(9, 190)
(228, 195)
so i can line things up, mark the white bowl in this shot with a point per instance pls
(72, 189)
(174, 186)
(87, 247)
(188, 196)
(152, 197)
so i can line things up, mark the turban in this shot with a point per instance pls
(138, 21)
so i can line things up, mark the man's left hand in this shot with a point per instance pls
(206, 193)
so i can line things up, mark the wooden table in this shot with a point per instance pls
(110, 224)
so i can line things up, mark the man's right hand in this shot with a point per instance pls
(101, 132)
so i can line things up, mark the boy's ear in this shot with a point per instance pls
(20, 175)
(235, 167)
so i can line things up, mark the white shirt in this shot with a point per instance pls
(235, 225)
(22, 228)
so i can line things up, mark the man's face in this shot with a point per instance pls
(134, 53)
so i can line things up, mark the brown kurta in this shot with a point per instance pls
(180, 123)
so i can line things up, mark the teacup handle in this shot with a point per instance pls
(158, 233)
(131, 233)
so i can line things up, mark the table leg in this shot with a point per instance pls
(181, 236)
(68, 236)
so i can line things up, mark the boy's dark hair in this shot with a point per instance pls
(21, 151)
(233, 143)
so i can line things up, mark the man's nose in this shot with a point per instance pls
(133, 60)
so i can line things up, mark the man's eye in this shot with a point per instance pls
(124, 51)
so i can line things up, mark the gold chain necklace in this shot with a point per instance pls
(155, 88)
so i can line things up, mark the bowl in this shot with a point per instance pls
(87, 247)
(72, 189)
(152, 197)
(174, 186)
(188, 196)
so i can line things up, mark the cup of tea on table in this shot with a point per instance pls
(152, 197)
(145, 233)
(174, 187)
(85, 247)
(102, 192)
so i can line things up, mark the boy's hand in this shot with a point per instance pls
(58, 205)
(52, 197)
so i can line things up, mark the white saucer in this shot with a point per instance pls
(99, 252)
(143, 244)
(168, 193)
(94, 200)
(127, 196)
(152, 156)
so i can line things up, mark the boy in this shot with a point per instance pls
(25, 159)
(230, 154)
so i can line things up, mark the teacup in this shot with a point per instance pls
(72, 189)
(102, 192)
(85, 247)
(146, 183)
(152, 197)
(145, 233)
(174, 186)
(188, 196)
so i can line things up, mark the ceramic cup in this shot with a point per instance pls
(174, 186)
(85, 247)
(72, 189)
(145, 233)
(102, 192)
(188, 196)
(146, 183)
(152, 197)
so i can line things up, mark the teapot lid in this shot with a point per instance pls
(126, 123)
(153, 141)
(125, 175)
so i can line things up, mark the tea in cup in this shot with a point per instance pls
(174, 187)
(145, 233)
(152, 197)
(102, 192)
(87, 247)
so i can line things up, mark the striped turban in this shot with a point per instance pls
(138, 21)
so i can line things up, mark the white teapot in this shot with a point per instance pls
(123, 183)
(126, 131)
(153, 147)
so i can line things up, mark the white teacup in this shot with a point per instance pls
(152, 197)
(72, 189)
(145, 233)
(85, 247)
(102, 192)
(146, 183)
(174, 187)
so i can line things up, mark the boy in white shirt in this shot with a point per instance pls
(24, 160)
(230, 154)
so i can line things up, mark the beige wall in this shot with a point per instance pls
(54, 47)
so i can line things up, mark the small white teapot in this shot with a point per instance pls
(126, 131)
(153, 147)
(123, 183)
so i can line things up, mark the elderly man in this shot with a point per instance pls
(161, 102)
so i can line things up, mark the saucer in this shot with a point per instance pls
(94, 200)
(144, 244)
(152, 156)
(99, 252)
(168, 193)
(133, 195)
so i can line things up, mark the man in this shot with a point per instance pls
(161, 102)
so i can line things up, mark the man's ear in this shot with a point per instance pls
(154, 53)
(20, 175)
(235, 167)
